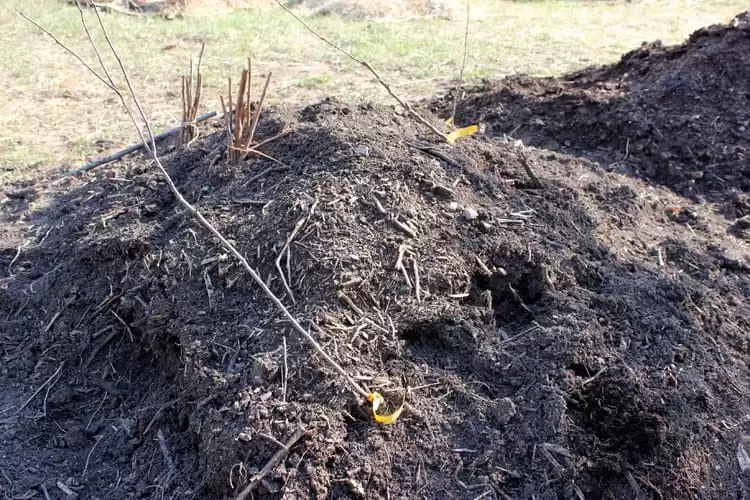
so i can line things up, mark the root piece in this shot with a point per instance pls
(400, 264)
(270, 465)
(46, 382)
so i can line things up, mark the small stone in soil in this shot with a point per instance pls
(470, 214)
(503, 410)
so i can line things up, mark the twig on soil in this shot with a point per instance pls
(57, 314)
(270, 465)
(10, 482)
(518, 297)
(526, 164)
(157, 414)
(286, 250)
(135, 147)
(272, 439)
(452, 119)
(357, 331)
(417, 288)
(150, 145)
(536, 326)
(404, 227)
(393, 218)
(267, 171)
(83, 317)
(436, 153)
(101, 346)
(242, 473)
(165, 450)
(18, 251)
(551, 459)
(285, 380)
(45, 492)
(379, 206)
(247, 201)
(416, 116)
(483, 267)
(123, 323)
(400, 264)
(46, 396)
(50, 379)
(650, 485)
(350, 303)
(65, 489)
(593, 377)
(634, 485)
(485, 494)
(91, 419)
(88, 457)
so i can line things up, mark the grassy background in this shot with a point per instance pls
(52, 112)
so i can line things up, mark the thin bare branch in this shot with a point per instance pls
(256, 117)
(191, 103)
(137, 103)
(463, 64)
(200, 57)
(367, 65)
(58, 42)
(150, 145)
(93, 45)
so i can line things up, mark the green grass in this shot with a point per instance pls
(52, 111)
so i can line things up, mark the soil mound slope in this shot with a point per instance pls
(678, 116)
(572, 337)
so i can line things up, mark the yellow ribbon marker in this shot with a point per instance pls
(461, 132)
(376, 399)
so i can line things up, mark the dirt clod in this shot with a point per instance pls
(503, 410)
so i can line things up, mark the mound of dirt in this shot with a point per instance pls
(577, 337)
(678, 116)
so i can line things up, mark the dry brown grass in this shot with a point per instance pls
(52, 113)
(385, 9)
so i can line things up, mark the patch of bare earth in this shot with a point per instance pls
(585, 335)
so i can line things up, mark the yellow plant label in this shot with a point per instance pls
(461, 132)
(376, 399)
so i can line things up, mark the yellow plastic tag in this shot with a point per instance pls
(449, 121)
(461, 132)
(376, 400)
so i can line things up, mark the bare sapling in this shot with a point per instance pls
(191, 100)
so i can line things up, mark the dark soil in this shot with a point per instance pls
(600, 349)
(676, 116)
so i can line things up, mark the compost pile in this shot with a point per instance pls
(677, 116)
(566, 330)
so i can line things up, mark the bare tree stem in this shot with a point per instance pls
(367, 65)
(150, 145)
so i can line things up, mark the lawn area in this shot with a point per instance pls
(54, 113)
